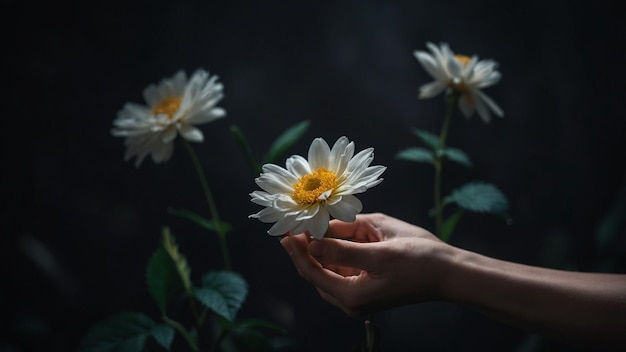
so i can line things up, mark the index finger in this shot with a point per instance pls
(359, 230)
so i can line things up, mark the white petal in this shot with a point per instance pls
(431, 89)
(288, 177)
(168, 87)
(490, 103)
(360, 182)
(319, 152)
(205, 115)
(269, 215)
(468, 70)
(455, 68)
(319, 224)
(466, 105)
(162, 152)
(262, 198)
(282, 226)
(481, 108)
(273, 183)
(431, 66)
(298, 166)
(338, 153)
(347, 209)
(308, 212)
(191, 133)
(287, 204)
(359, 162)
(168, 135)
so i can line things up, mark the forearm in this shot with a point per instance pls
(573, 306)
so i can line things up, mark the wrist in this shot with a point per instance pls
(458, 277)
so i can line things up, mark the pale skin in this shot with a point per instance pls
(382, 262)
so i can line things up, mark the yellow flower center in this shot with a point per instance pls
(464, 60)
(310, 187)
(167, 106)
(459, 86)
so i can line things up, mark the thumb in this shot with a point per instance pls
(343, 253)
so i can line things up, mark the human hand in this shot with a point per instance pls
(375, 262)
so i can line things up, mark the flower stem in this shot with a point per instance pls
(245, 148)
(451, 101)
(181, 329)
(211, 202)
(370, 336)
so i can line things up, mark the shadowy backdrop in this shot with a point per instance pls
(79, 224)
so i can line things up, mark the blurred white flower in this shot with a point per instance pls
(462, 74)
(174, 106)
(307, 193)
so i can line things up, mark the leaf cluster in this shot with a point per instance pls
(475, 196)
(221, 293)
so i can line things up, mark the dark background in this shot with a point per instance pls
(79, 224)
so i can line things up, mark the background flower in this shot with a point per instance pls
(462, 74)
(304, 196)
(174, 107)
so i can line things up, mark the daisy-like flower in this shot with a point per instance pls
(462, 74)
(307, 193)
(174, 107)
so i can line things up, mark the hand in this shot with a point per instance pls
(378, 262)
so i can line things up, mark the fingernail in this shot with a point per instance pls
(316, 248)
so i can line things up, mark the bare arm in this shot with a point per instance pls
(387, 263)
(570, 306)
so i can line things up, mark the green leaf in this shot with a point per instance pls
(427, 138)
(223, 292)
(247, 335)
(128, 332)
(168, 273)
(479, 197)
(287, 139)
(458, 156)
(207, 224)
(163, 335)
(415, 154)
(449, 224)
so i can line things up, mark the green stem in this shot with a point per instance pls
(370, 336)
(181, 329)
(211, 202)
(245, 148)
(451, 101)
(196, 317)
(219, 339)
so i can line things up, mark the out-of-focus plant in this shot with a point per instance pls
(174, 107)
(461, 79)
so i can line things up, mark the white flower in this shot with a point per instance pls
(463, 75)
(303, 196)
(174, 106)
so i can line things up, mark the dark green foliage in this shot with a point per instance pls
(287, 139)
(207, 224)
(168, 273)
(223, 292)
(480, 197)
(415, 154)
(126, 332)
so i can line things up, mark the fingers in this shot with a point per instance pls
(309, 268)
(360, 230)
(344, 253)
